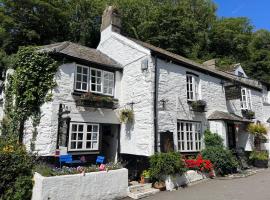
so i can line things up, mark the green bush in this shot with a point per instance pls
(258, 155)
(212, 139)
(162, 164)
(223, 160)
(15, 171)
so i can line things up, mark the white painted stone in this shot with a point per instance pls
(95, 186)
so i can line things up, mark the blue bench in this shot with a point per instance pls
(100, 160)
(68, 160)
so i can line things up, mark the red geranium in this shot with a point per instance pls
(199, 164)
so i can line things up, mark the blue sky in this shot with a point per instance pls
(258, 11)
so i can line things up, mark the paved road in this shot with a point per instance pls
(256, 187)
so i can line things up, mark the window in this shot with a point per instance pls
(246, 99)
(240, 74)
(108, 83)
(189, 136)
(81, 78)
(192, 87)
(83, 136)
(94, 80)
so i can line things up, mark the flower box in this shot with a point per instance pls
(198, 106)
(248, 114)
(95, 101)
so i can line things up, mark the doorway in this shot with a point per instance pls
(231, 136)
(109, 142)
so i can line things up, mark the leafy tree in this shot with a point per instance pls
(258, 66)
(229, 40)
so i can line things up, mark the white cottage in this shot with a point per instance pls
(174, 100)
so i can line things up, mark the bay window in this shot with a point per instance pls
(192, 87)
(83, 136)
(246, 99)
(189, 136)
(94, 80)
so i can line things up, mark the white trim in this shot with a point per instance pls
(189, 136)
(246, 100)
(84, 137)
(192, 87)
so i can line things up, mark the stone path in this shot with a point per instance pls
(255, 187)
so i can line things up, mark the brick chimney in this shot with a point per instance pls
(112, 19)
(210, 63)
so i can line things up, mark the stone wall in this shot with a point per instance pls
(95, 186)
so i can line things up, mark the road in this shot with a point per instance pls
(256, 187)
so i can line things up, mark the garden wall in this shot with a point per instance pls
(95, 186)
(187, 178)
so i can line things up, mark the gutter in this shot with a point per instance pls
(155, 106)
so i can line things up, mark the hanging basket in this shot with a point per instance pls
(126, 116)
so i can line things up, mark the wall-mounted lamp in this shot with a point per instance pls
(163, 103)
(144, 65)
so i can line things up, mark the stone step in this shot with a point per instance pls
(140, 187)
(144, 193)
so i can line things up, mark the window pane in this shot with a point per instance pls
(79, 145)
(73, 145)
(94, 136)
(80, 128)
(79, 69)
(95, 128)
(84, 86)
(94, 145)
(88, 136)
(74, 136)
(85, 71)
(79, 77)
(80, 136)
(88, 145)
(74, 127)
(89, 128)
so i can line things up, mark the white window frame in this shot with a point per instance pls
(110, 86)
(192, 87)
(84, 139)
(246, 101)
(89, 83)
(81, 81)
(189, 136)
(96, 84)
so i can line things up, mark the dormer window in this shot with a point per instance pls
(245, 99)
(94, 80)
(192, 87)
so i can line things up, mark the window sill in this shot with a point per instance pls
(80, 93)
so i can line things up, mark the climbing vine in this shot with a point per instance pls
(27, 88)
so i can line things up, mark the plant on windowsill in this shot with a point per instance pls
(198, 106)
(126, 116)
(95, 101)
(248, 114)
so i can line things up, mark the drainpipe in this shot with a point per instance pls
(155, 106)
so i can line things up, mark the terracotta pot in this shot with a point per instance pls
(160, 185)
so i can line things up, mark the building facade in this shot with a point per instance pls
(174, 100)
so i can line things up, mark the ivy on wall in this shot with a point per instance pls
(27, 88)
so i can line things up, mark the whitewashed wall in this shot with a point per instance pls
(172, 88)
(136, 86)
(45, 143)
(95, 186)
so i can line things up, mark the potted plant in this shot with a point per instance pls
(160, 185)
(145, 177)
(198, 106)
(259, 158)
(249, 114)
(164, 167)
(259, 131)
(126, 116)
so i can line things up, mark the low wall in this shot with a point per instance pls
(95, 186)
(187, 178)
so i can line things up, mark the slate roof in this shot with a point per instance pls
(196, 66)
(78, 51)
(219, 115)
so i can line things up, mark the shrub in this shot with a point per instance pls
(258, 155)
(15, 171)
(199, 164)
(257, 129)
(162, 164)
(223, 160)
(212, 139)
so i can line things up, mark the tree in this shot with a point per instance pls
(229, 39)
(258, 66)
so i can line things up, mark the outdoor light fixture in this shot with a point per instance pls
(144, 65)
